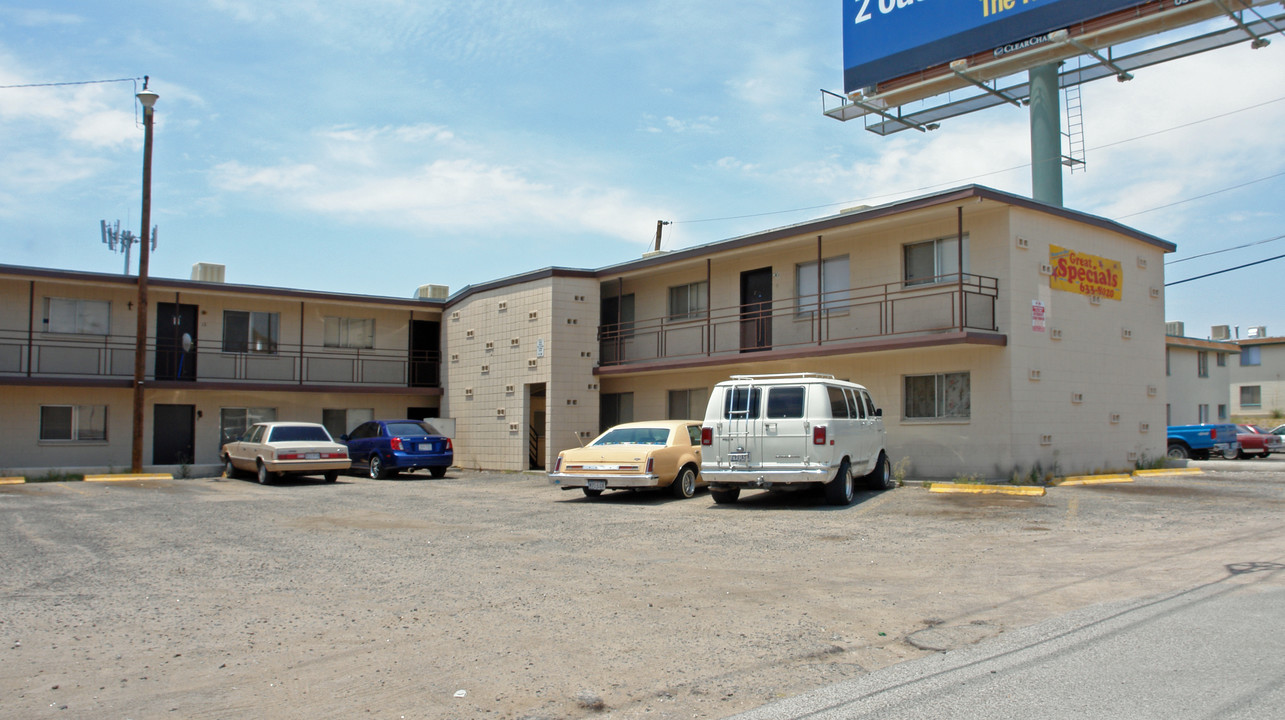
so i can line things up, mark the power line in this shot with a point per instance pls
(61, 84)
(1238, 247)
(1220, 272)
(1199, 197)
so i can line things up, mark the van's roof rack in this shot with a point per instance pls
(825, 376)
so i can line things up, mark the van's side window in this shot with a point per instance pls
(742, 403)
(870, 404)
(854, 402)
(838, 404)
(784, 403)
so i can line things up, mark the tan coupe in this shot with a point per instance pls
(635, 456)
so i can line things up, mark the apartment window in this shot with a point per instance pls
(1250, 356)
(615, 408)
(689, 301)
(1251, 396)
(933, 261)
(1221, 359)
(1202, 366)
(233, 422)
(833, 292)
(251, 332)
(1166, 362)
(86, 423)
(687, 404)
(77, 317)
(342, 332)
(1222, 411)
(340, 421)
(940, 396)
(1202, 413)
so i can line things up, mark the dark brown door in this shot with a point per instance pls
(756, 310)
(175, 341)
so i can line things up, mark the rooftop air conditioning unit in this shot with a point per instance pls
(1220, 332)
(1175, 329)
(1259, 331)
(432, 292)
(208, 272)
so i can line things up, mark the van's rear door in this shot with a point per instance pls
(786, 434)
(738, 445)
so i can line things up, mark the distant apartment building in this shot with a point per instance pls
(1197, 378)
(997, 334)
(1258, 379)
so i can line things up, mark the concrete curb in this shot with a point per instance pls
(1168, 471)
(1036, 490)
(12, 480)
(124, 477)
(1093, 480)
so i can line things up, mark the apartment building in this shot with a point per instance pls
(1258, 379)
(1000, 336)
(219, 357)
(1197, 378)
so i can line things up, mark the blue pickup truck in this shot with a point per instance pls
(1198, 442)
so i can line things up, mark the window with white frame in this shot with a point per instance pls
(341, 421)
(1222, 359)
(343, 332)
(687, 404)
(1202, 413)
(832, 293)
(690, 301)
(1250, 356)
(77, 316)
(942, 396)
(233, 422)
(933, 261)
(1202, 364)
(85, 423)
(251, 332)
(1251, 396)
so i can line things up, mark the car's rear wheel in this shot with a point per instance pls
(265, 477)
(881, 477)
(331, 475)
(377, 471)
(229, 470)
(437, 472)
(725, 496)
(591, 492)
(1264, 454)
(1178, 451)
(840, 491)
(1240, 455)
(684, 486)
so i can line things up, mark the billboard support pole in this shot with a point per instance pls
(1046, 135)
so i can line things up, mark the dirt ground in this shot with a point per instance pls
(499, 596)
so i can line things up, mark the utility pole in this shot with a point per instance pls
(148, 100)
(659, 224)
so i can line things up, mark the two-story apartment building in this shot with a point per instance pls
(1197, 378)
(1258, 379)
(999, 336)
(219, 357)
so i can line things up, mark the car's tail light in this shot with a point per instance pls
(290, 456)
(649, 464)
(449, 446)
(557, 466)
(396, 443)
(707, 436)
(818, 435)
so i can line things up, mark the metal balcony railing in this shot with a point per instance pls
(931, 305)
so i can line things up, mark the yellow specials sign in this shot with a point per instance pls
(1085, 274)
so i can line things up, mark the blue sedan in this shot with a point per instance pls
(387, 447)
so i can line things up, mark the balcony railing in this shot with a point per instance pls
(112, 357)
(934, 305)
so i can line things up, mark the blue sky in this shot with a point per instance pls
(374, 146)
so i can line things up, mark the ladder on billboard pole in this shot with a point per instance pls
(1074, 159)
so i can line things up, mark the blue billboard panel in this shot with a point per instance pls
(886, 39)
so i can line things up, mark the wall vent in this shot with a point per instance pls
(1155, 293)
(514, 427)
(455, 357)
(503, 306)
(1095, 299)
(1142, 262)
(510, 389)
(1046, 439)
(490, 345)
(468, 392)
(532, 362)
(533, 315)
(1115, 418)
(1046, 269)
(1023, 243)
(515, 342)
(1055, 333)
(1033, 374)
(1152, 390)
(485, 369)
(1077, 397)
(1144, 427)
(499, 412)
(1126, 333)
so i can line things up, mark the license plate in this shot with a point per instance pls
(600, 467)
(312, 456)
(427, 447)
(597, 484)
(740, 458)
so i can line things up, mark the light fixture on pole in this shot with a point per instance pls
(147, 99)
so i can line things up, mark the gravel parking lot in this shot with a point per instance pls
(498, 596)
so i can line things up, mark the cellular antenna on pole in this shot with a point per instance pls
(114, 237)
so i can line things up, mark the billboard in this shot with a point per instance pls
(887, 39)
(1085, 274)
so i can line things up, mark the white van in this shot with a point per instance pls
(792, 431)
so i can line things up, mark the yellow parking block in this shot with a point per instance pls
(1168, 471)
(987, 489)
(127, 476)
(12, 480)
(1093, 480)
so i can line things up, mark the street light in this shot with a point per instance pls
(148, 99)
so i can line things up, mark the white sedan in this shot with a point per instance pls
(274, 449)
